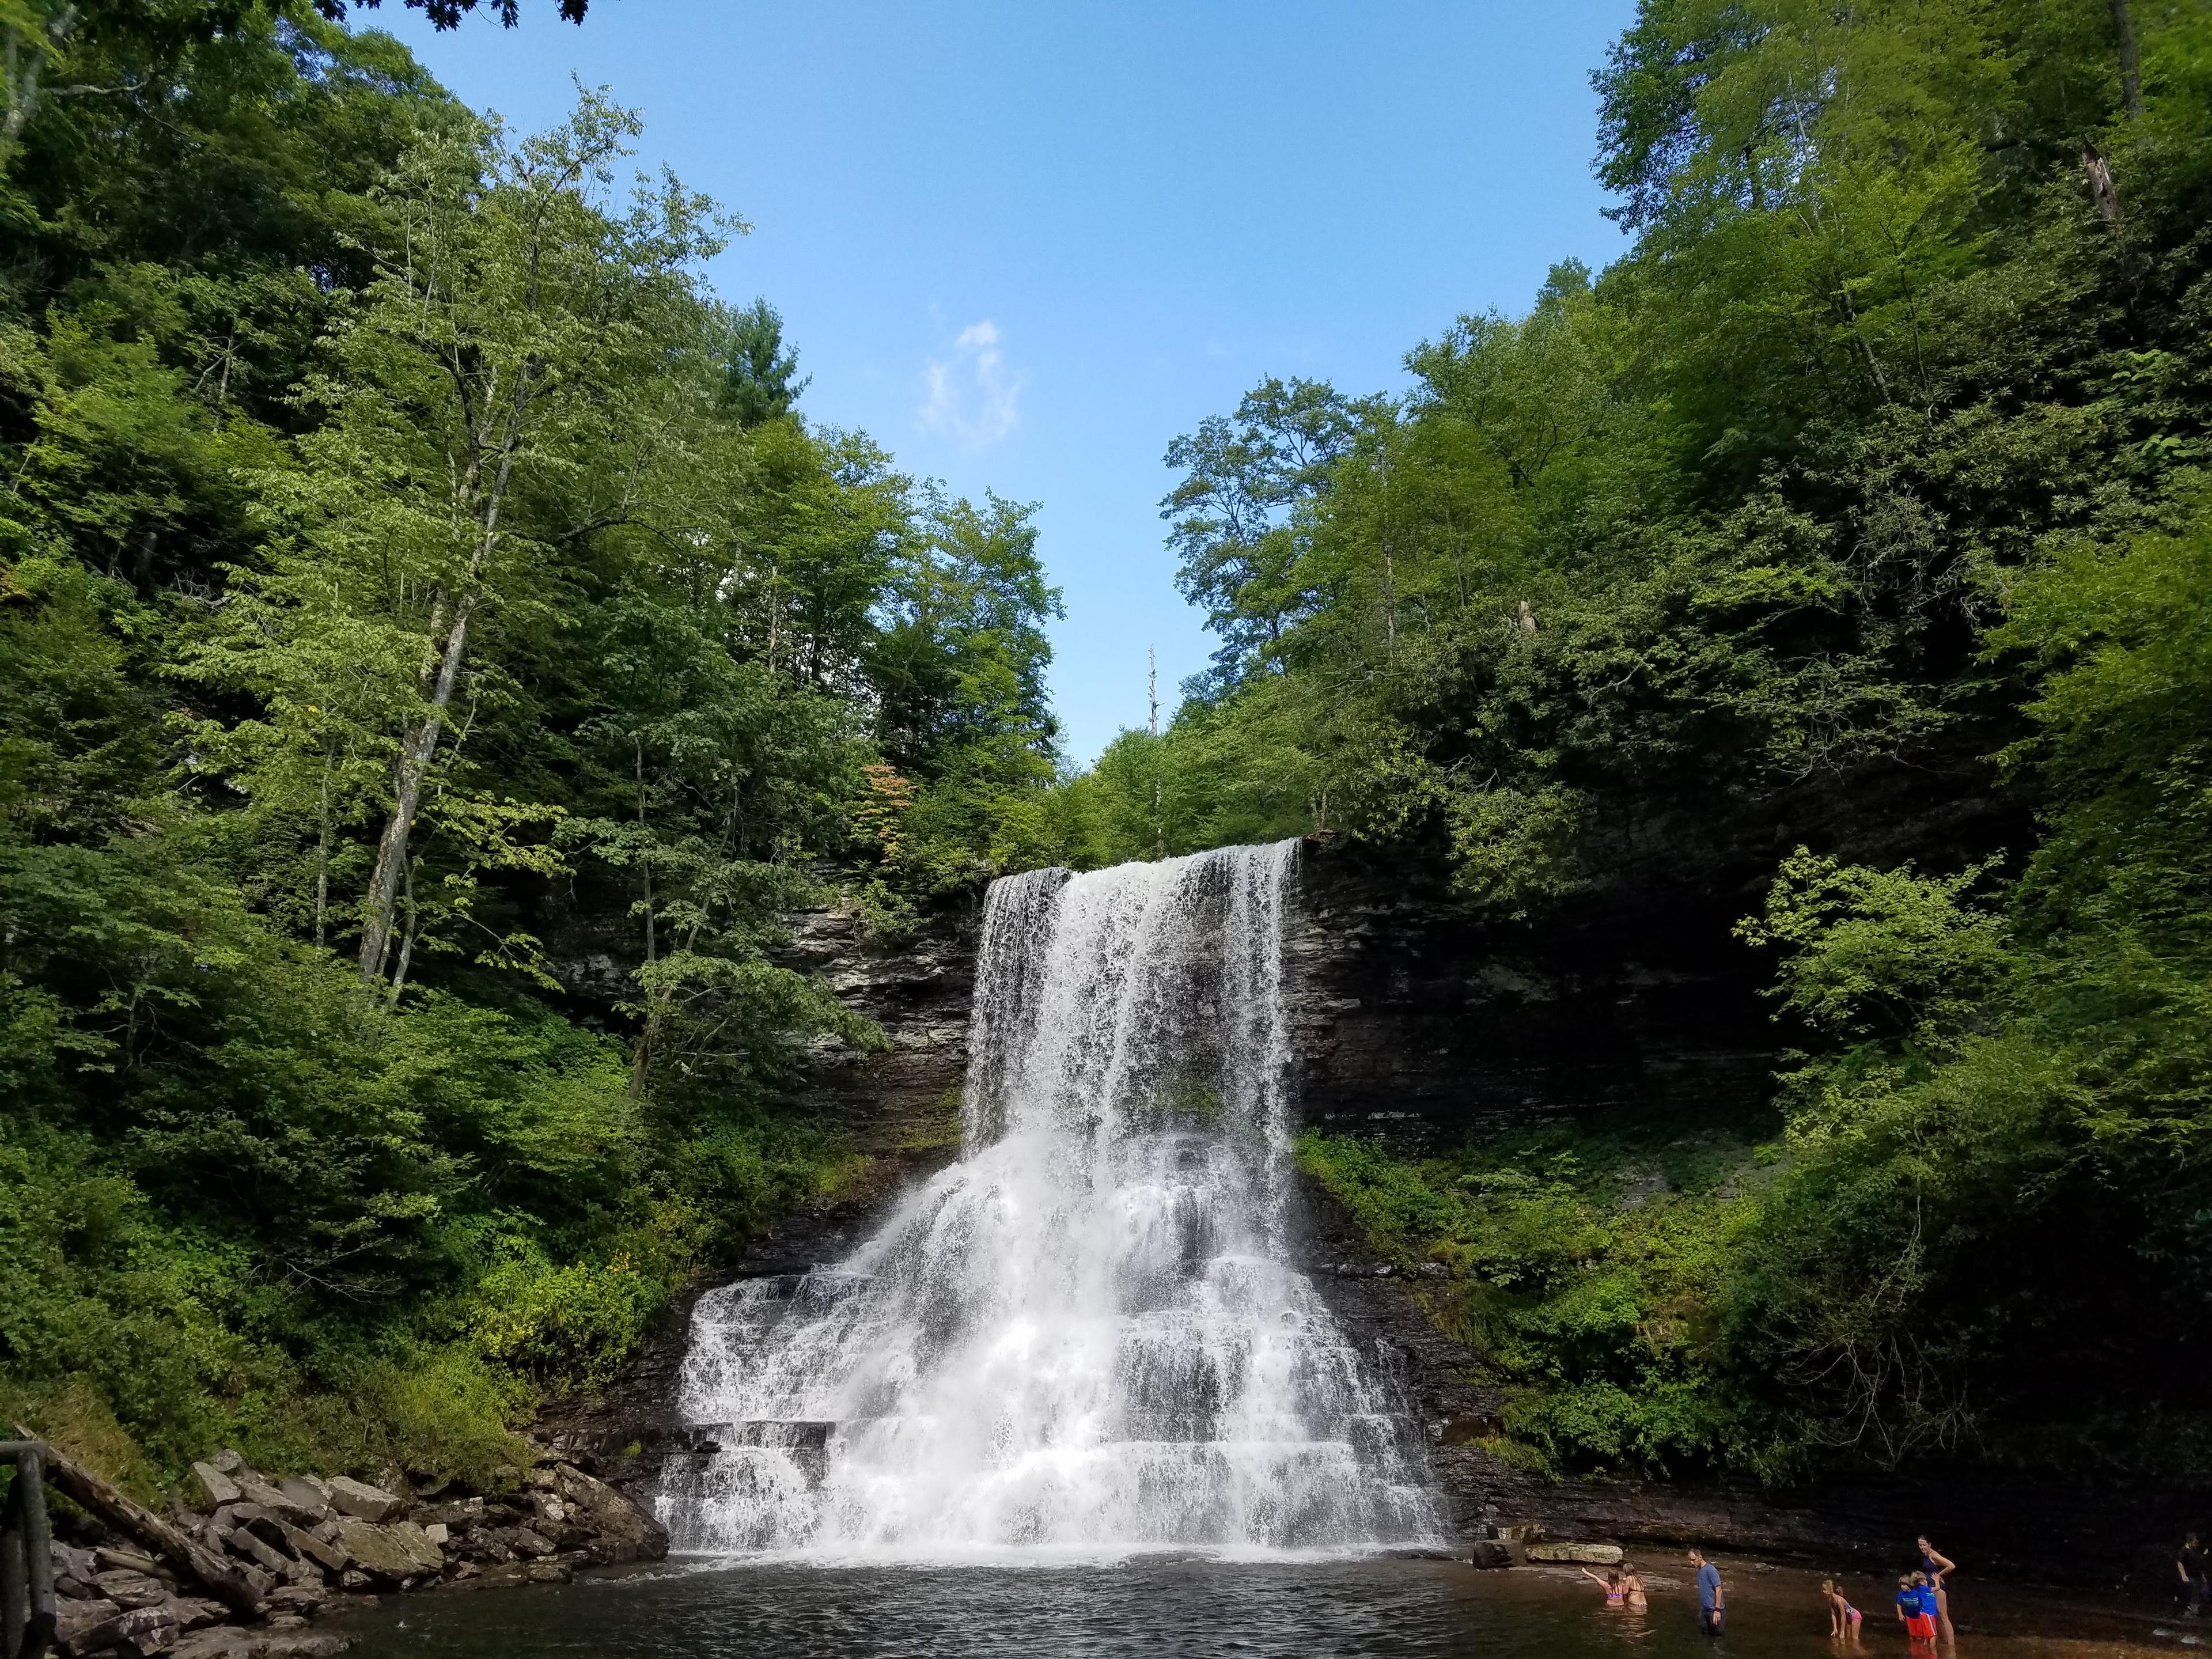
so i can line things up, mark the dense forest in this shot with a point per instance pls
(1844, 548)
(415, 582)
(413, 578)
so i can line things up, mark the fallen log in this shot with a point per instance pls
(182, 1550)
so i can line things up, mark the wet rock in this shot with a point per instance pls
(529, 1542)
(364, 1501)
(520, 1572)
(229, 1642)
(1489, 1552)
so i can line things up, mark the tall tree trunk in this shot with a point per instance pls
(323, 854)
(2123, 37)
(415, 758)
(642, 1059)
(645, 855)
(406, 941)
(1389, 602)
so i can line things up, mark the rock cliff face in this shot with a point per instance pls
(1417, 1023)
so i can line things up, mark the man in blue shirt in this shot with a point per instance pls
(1712, 1600)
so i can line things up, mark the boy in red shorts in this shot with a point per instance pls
(1913, 1610)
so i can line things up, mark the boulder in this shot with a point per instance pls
(249, 1546)
(299, 1598)
(379, 1551)
(216, 1487)
(195, 1613)
(419, 1546)
(529, 1542)
(309, 1502)
(362, 1501)
(1489, 1552)
(439, 1533)
(461, 1514)
(283, 1504)
(87, 1627)
(611, 1513)
(75, 1621)
(308, 1547)
(226, 1462)
(129, 1589)
(1589, 1555)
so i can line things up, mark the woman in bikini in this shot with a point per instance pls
(1616, 1593)
(1634, 1587)
(1843, 1618)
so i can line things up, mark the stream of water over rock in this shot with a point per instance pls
(1084, 1339)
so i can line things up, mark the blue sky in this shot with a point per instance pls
(1025, 244)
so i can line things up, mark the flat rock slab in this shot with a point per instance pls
(1591, 1555)
(229, 1642)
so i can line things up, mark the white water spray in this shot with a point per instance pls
(1082, 1339)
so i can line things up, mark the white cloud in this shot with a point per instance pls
(973, 397)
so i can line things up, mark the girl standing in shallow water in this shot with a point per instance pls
(1616, 1593)
(1634, 1586)
(1844, 1618)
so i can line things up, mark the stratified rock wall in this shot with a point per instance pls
(1422, 1024)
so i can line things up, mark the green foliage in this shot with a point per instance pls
(1586, 1272)
(434, 656)
(1860, 503)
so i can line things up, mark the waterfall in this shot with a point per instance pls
(1084, 1338)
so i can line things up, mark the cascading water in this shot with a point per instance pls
(1082, 1339)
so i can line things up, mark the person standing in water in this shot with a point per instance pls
(1937, 1565)
(1616, 1594)
(1919, 1625)
(1712, 1598)
(1634, 1587)
(2189, 1561)
(1844, 1618)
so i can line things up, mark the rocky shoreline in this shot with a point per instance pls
(249, 1564)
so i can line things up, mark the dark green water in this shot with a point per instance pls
(1155, 1608)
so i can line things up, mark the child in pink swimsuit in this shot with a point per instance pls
(1842, 1617)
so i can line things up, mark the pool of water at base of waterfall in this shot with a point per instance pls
(1422, 1609)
